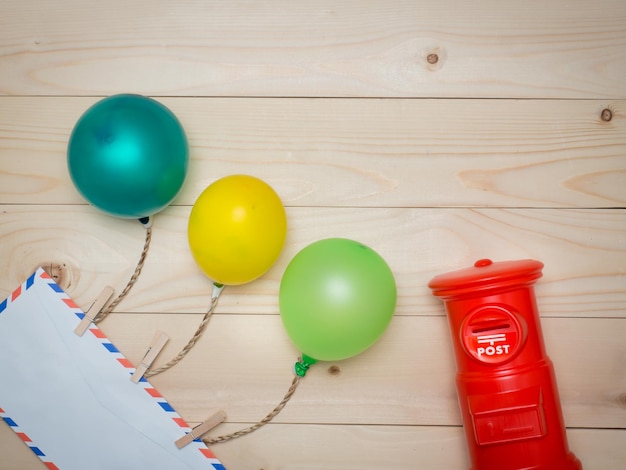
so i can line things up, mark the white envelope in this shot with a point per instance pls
(70, 398)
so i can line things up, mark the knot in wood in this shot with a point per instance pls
(59, 273)
(607, 114)
(432, 59)
(334, 370)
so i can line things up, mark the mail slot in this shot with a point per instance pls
(505, 380)
(493, 334)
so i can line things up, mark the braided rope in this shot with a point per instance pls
(133, 279)
(263, 422)
(196, 336)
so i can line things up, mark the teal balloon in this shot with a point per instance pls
(337, 297)
(128, 156)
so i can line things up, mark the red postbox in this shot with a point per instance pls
(505, 381)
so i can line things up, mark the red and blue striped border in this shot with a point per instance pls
(24, 437)
(110, 347)
(7, 419)
(153, 392)
(17, 292)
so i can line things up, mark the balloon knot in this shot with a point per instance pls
(302, 366)
(146, 221)
(217, 290)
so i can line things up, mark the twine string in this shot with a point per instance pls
(131, 282)
(196, 336)
(263, 422)
(300, 369)
(100, 316)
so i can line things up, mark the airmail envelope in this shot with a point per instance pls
(70, 398)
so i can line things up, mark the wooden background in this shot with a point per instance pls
(436, 132)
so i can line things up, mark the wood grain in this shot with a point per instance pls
(355, 153)
(232, 368)
(405, 448)
(341, 447)
(531, 49)
(582, 249)
(436, 132)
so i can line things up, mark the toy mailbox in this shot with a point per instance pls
(505, 381)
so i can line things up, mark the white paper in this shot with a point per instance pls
(70, 398)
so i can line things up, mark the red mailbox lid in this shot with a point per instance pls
(485, 276)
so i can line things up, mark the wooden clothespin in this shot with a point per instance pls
(201, 429)
(158, 343)
(95, 308)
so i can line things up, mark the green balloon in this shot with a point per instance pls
(337, 297)
(128, 155)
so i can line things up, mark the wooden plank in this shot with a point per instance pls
(366, 153)
(267, 88)
(402, 448)
(538, 49)
(337, 447)
(582, 249)
(243, 364)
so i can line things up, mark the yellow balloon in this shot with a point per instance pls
(237, 229)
